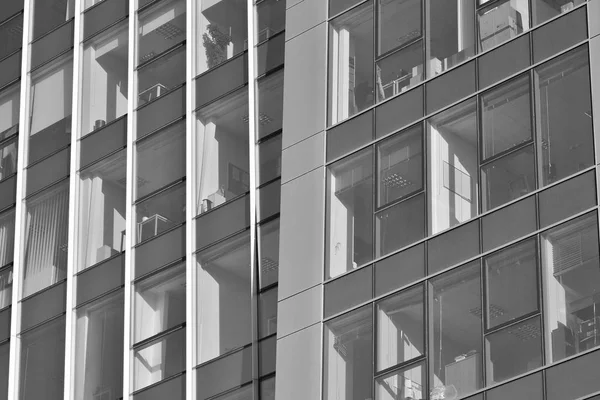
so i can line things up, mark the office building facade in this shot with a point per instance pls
(301, 199)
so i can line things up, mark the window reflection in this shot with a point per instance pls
(502, 21)
(161, 27)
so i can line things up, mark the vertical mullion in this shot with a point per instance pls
(24, 122)
(130, 181)
(72, 242)
(190, 209)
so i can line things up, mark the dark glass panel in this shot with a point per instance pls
(53, 44)
(400, 225)
(48, 171)
(350, 135)
(399, 71)
(504, 61)
(7, 192)
(510, 223)
(573, 379)
(269, 160)
(10, 105)
(5, 323)
(529, 388)
(221, 80)
(100, 279)
(558, 202)
(160, 213)
(10, 69)
(270, 104)
(103, 142)
(448, 88)
(543, 10)
(269, 200)
(270, 19)
(399, 112)
(4, 369)
(6, 283)
(559, 34)
(267, 313)
(336, 6)
(406, 383)
(267, 353)
(43, 362)
(400, 269)
(160, 27)
(267, 389)
(268, 253)
(49, 14)
(348, 291)
(161, 112)
(7, 240)
(102, 16)
(11, 33)
(9, 8)
(270, 55)
(502, 21)
(161, 75)
(159, 359)
(223, 222)
(160, 251)
(43, 306)
(399, 23)
(453, 247)
(225, 373)
(173, 389)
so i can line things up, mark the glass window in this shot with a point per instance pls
(160, 213)
(224, 293)
(348, 343)
(513, 350)
(10, 104)
(101, 279)
(401, 70)
(223, 222)
(159, 359)
(529, 388)
(8, 192)
(349, 242)
(48, 171)
(102, 210)
(7, 237)
(269, 160)
(267, 313)
(160, 159)
(104, 84)
(173, 389)
(453, 247)
(400, 269)
(502, 21)
(448, 88)
(214, 84)
(507, 178)
(270, 103)
(350, 135)
(451, 33)
(160, 251)
(8, 158)
(48, 14)
(456, 331)
(511, 283)
(400, 225)
(233, 370)
(4, 367)
(6, 282)
(11, 35)
(268, 253)
(99, 349)
(10, 69)
(348, 291)
(400, 165)
(572, 287)
(562, 89)
(504, 61)
(560, 34)
(43, 362)
(159, 303)
(10, 8)
(99, 144)
(543, 10)
(269, 200)
(399, 23)
(160, 28)
(336, 6)
(506, 116)
(270, 54)
(575, 378)
(399, 112)
(270, 19)
(351, 63)
(104, 15)
(46, 233)
(53, 44)
(452, 166)
(43, 306)
(222, 151)
(400, 328)
(267, 389)
(222, 31)
(161, 75)
(5, 317)
(50, 111)
(509, 223)
(407, 383)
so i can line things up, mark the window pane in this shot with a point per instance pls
(400, 269)
(507, 178)
(563, 92)
(456, 331)
(160, 251)
(528, 388)
(451, 29)
(351, 63)
(575, 378)
(267, 389)
(48, 171)
(509, 223)
(11, 34)
(350, 208)
(270, 104)
(223, 222)
(502, 21)
(400, 225)
(173, 389)
(46, 234)
(400, 165)
(511, 282)
(100, 279)
(336, 6)
(348, 291)
(269, 159)
(102, 16)
(224, 273)
(104, 95)
(267, 355)
(48, 14)
(513, 350)
(267, 313)
(559, 34)
(5, 318)
(409, 383)
(270, 55)
(350, 135)
(161, 112)
(506, 116)
(43, 350)
(6, 282)
(8, 159)
(400, 328)
(104, 142)
(453, 247)
(399, 112)
(448, 88)
(43, 306)
(270, 19)
(99, 349)
(399, 23)
(546, 9)
(10, 68)
(159, 303)
(269, 200)
(4, 368)
(268, 253)
(7, 240)
(10, 8)
(558, 202)
(160, 213)
(504, 61)
(9, 109)
(231, 371)
(160, 159)
(159, 360)
(572, 287)
(401, 70)
(222, 151)
(55, 43)
(160, 28)
(102, 211)
(8, 192)
(161, 75)
(452, 166)
(224, 32)
(218, 82)
(51, 108)
(348, 356)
